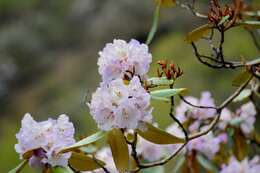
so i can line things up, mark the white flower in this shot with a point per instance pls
(245, 166)
(46, 138)
(245, 115)
(149, 151)
(120, 105)
(120, 57)
(186, 112)
(105, 155)
(209, 145)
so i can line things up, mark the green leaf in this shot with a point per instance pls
(59, 169)
(223, 20)
(207, 164)
(160, 98)
(86, 141)
(157, 169)
(158, 136)
(250, 24)
(178, 164)
(166, 3)
(236, 122)
(119, 149)
(241, 78)
(154, 25)
(19, 167)
(159, 81)
(243, 95)
(199, 32)
(82, 162)
(166, 93)
(251, 13)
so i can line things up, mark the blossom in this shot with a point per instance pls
(45, 138)
(245, 115)
(245, 166)
(208, 145)
(120, 105)
(120, 57)
(185, 111)
(149, 151)
(175, 130)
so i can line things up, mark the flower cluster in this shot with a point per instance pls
(245, 166)
(45, 139)
(244, 116)
(121, 101)
(120, 105)
(186, 112)
(119, 58)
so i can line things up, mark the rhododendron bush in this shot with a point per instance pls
(204, 136)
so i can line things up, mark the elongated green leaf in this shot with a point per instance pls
(207, 164)
(178, 164)
(241, 78)
(82, 162)
(243, 95)
(157, 169)
(251, 13)
(59, 169)
(160, 98)
(166, 93)
(154, 25)
(251, 24)
(158, 136)
(119, 149)
(88, 140)
(197, 33)
(166, 3)
(159, 81)
(19, 167)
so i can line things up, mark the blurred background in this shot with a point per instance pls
(49, 51)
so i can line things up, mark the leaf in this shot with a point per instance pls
(154, 27)
(158, 136)
(223, 20)
(119, 149)
(59, 169)
(159, 81)
(236, 122)
(207, 164)
(251, 13)
(250, 24)
(82, 162)
(166, 3)
(157, 169)
(197, 33)
(160, 98)
(88, 140)
(167, 92)
(241, 78)
(243, 95)
(19, 167)
(178, 164)
(28, 154)
(240, 145)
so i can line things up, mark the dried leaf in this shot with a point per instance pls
(158, 136)
(197, 33)
(119, 149)
(82, 162)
